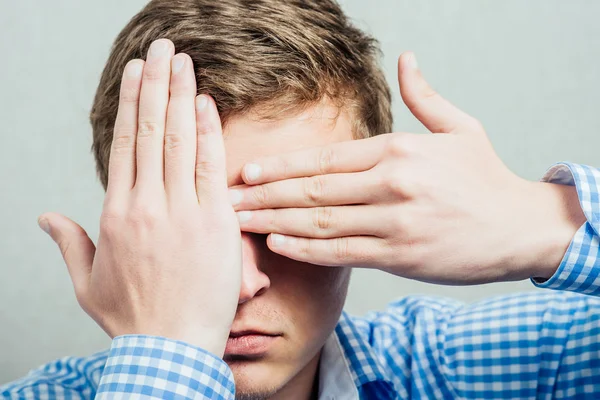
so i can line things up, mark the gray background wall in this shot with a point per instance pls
(526, 69)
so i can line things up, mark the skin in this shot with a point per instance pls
(171, 260)
(438, 208)
(417, 206)
(279, 294)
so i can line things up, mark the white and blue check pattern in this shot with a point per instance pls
(579, 270)
(525, 346)
(163, 369)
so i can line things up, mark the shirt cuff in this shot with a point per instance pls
(579, 270)
(153, 367)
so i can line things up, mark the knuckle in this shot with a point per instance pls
(282, 166)
(305, 249)
(108, 228)
(313, 189)
(397, 223)
(326, 160)
(204, 127)
(206, 168)
(341, 249)
(271, 220)
(261, 195)
(401, 145)
(211, 175)
(153, 72)
(322, 218)
(148, 129)
(173, 140)
(143, 216)
(206, 178)
(395, 146)
(393, 183)
(129, 95)
(112, 211)
(109, 221)
(124, 140)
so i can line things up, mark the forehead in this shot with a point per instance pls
(247, 137)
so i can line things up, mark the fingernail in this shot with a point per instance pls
(253, 172)
(158, 48)
(244, 216)
(177, 63)
(134, 70)
(201, 102)
(412, 61)
(43, 223)
(235, 196)
(277, 240)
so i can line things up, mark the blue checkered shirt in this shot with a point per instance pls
(537, 345)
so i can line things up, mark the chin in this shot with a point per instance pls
(257, 379)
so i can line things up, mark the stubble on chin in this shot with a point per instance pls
(248, 388)
(258, 395)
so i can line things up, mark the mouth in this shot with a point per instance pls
(249, 343)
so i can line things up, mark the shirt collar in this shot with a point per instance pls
(335, 379)
(350, 368)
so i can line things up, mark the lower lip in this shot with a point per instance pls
(249, 345)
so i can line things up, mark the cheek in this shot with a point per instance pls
(314, 296)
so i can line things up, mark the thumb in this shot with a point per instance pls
(436, 113)
(75, 246)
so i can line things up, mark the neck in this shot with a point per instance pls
(303, 386)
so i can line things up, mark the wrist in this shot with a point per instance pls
(210, 339)
(554, 217)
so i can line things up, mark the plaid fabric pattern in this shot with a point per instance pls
(525, 346)
(159, 368)
(135, 367)
(579, 270)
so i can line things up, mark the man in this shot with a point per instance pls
(203, 305)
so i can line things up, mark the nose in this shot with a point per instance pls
(254, 281)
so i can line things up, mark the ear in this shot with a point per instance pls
(436, 113)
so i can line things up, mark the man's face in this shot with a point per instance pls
(298, 301)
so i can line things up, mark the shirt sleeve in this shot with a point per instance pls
(521, 346)
(72, 378)
(159, 368)
(135, 367)
(579, 270)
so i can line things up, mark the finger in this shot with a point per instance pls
(180, 132)
(319, 190)
(354, 251)
(349, 156)
(154, 98)
(121, 167)
(436, 113)
(211, 175)
(76, 247)
(317, 222)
